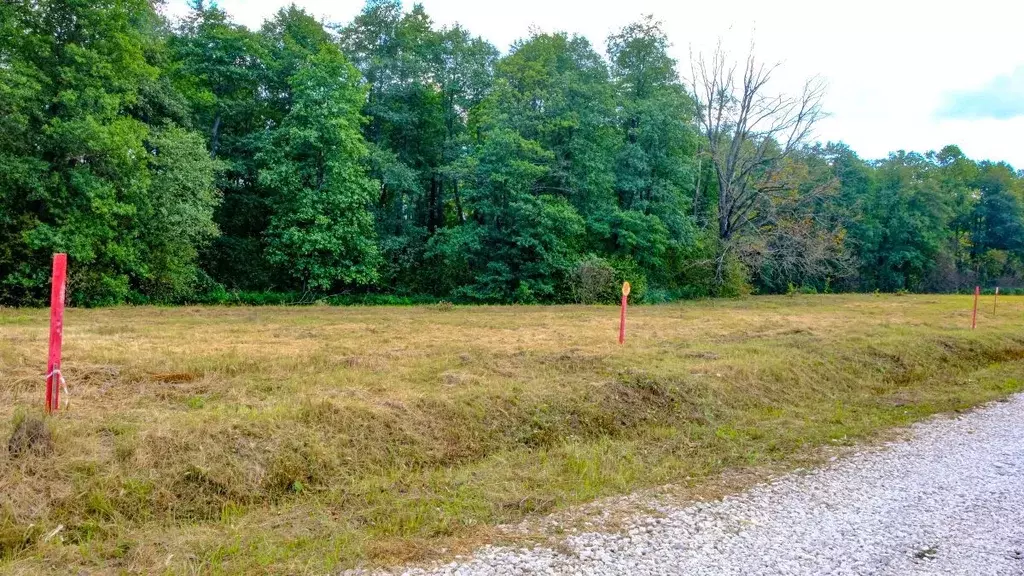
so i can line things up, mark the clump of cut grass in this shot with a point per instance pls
(30, 436)
(298, 440)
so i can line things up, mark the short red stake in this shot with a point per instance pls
(974, 316)
(995, 301)
(622, 317)
(53, 375)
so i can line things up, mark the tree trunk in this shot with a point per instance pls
(438, 201)
(458, 202)
(696, 191)
(432, 204)
(724, 207)
(723, 219)
(214, 137)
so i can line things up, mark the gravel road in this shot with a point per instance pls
(950, 500)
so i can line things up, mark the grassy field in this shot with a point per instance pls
(303, 440)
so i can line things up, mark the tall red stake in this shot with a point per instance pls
(53, 376)
(622, 317)
(974, 316)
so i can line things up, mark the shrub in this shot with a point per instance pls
(593, 281)
(627, 270)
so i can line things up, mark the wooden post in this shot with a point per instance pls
(974, 316)
(53, 376)
(622, 316)
(995, 301)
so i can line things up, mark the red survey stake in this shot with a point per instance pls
(622, 317)
(974, 315)
(53, 375)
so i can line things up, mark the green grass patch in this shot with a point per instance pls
(307, 440)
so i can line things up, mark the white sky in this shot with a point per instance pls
(902, 74)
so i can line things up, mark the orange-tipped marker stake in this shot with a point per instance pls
(622, 317)
(974, 316)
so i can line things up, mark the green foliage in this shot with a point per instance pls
(518, 245)
(627, 270)
(655, 172)
(422, 84)
(592, 281)
(220, 67)
(555, 90)
(92, 167)
(179, 213)
(321, 231)
(392, 160)
(902, 231)
(938, 222)
(997, 217)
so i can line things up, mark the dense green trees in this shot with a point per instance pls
(191, 160)
(929, 223)
(220, 67)
(93, 157)
(321, 230)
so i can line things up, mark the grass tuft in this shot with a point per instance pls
(31, 436)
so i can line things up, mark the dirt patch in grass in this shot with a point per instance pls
(307, 440)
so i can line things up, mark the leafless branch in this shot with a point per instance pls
(749, 131)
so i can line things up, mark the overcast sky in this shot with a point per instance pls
(902, 74)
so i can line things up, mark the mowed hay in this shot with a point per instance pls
(30, 436)
(306, 440)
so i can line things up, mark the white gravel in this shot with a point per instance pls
(948, 501)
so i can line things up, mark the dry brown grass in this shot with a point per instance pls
(297, 440)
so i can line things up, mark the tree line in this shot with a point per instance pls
(196, 160)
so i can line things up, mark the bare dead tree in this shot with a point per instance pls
(794, 242)
(749, 132)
